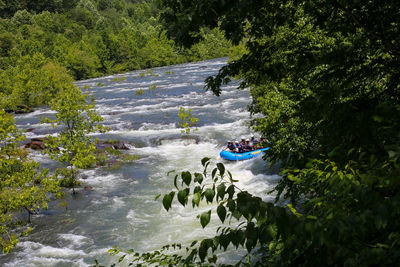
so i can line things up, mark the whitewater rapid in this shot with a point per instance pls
(120, 209)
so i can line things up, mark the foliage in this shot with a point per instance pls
(112, 158)
(34, 81)
(139, 92)
(84, 39)
(324, 80)
(73, 147)
(186, 120)
(23, 185)
(118, 79)
(152, 87)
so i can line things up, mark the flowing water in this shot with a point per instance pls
(120, 209)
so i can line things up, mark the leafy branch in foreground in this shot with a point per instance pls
(311, 229)
(255, 227)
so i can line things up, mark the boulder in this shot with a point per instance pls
(119, 145)
(36, 144)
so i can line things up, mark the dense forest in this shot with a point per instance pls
(47, 44)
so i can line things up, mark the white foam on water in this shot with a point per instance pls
(156, 126)
(104, 182)
(36, 254)
(75, 240)
(100, 101)
(34, 261)
(41, 112)
(121, 208)
(118, 202)
(135, 219)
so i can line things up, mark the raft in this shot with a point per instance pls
(242, 156)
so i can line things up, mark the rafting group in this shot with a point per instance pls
(245, 149)
(246, 145)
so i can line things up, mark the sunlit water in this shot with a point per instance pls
(120, 210)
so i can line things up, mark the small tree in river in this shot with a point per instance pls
(186, 120)
(73, 147)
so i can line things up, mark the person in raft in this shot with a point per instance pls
(231, 146)
(240, 147)
(248, 147)
(253, 141)
(243, 143)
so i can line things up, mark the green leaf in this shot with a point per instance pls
(205, 168)
(157, 197)
(220, 191)
(167, 200)
(197, 189)
(237, 214)
(221, 211)
(230, 176)
(231, 191)
(203, 250)
(182, 196)
(221, 168)
(186, 177)
(169, 172)
(209, 194)
(213, 173)
(196, 199)
(122, 258)
(224, 241)
(231, 205)
(175, 181)
(205, 218)
(198, 177)
(204, 161)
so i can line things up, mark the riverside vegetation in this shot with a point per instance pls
(324, 76)
(46, 45)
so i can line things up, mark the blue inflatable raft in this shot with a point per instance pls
(242, 156)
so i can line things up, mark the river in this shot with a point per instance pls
(120, 209)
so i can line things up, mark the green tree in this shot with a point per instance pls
(73, 147)
(186, 120)
(324, 76)
(32, 82)
(23, 185)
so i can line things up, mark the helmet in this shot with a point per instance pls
(229, 141)
(236, 142)
(242, 138)
(247, 140)
(252, 135)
